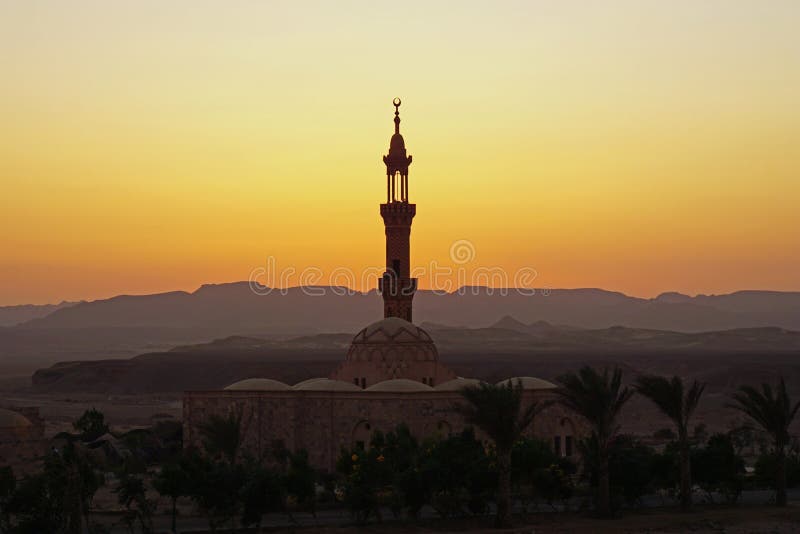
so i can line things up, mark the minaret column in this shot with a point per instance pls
(396, 285)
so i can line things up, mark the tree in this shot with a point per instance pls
(261, 493)
(132, 494)
(8, 485)
(215, 489)
(631, 468)
(300, 482)
(174, 480)
(678, 404)
(91, 425)
(456, 474)
(598, 398)
(497, 410)
(58, 498)
(773, 411)
(765, 467)
(387, 473)
(222, 435)
(718, 469)
(368, 477)
(540, 473)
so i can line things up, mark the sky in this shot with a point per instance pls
(637, 146)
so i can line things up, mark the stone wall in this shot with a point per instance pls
(324, 422)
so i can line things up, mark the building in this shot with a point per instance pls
(390, 375)
(22, 442)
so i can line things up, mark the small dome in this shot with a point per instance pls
(457, 384)
(258, 384)
(326, 384)
(529, 382)
(307, 381)
(392, 330)
(12, 419)
(399, 385)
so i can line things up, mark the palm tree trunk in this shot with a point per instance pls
(503, 519)
(686, 476)
(603, 486)
(780, 477)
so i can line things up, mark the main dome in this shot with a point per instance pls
(392, 348)
(392, 339)
(392, 330)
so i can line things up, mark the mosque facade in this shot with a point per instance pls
(390, 375)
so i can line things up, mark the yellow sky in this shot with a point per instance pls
(638, 146)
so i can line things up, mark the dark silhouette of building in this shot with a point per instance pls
(396, 285)
(390, 375)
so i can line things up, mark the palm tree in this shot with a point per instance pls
(598, 398)
(497, 410)
(774, 412)
(668, 395)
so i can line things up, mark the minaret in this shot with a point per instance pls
(396, 285)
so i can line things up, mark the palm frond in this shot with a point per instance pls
(771, 409)
(597, 397)
(497, 411)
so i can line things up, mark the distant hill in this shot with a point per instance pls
(485, 352)
(127, 325)
(225, 309)
(14, 315)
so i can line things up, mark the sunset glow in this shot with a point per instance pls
(630, 145)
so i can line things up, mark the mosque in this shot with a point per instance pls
(390, 375)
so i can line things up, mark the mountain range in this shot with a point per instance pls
(234, 308)
(128, 325)
(508, 346)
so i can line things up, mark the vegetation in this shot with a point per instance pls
(598, 398)
(773, 411)
(540, 475)
(678, 404)
(91, 425)
(455, 475)
(498, 411)
(717, 468)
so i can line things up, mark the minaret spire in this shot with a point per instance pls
(396, 285)
(397, 103)
(397, 162)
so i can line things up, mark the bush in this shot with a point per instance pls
(630, 466)
(454, 475)
(539, 473)
(460, 474)
(716, 468)
(91, 425)
(666, 434)
(766, 465)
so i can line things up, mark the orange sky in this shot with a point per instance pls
(632, 145)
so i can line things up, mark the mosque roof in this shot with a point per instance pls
(399, 385)
(325, 384)
(258, 384)
(529, 382)
(457, 384)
